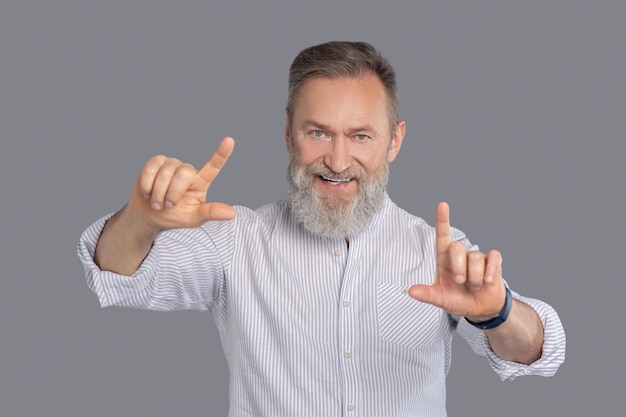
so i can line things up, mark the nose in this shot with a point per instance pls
(338, 157)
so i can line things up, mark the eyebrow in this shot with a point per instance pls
(315, 124)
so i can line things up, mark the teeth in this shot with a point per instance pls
(336, 180)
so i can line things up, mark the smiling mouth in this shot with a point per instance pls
(335, 180)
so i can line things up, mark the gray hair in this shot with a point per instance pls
(342, 59)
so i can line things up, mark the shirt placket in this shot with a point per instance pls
(348, 331)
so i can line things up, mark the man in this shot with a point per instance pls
(335, 301)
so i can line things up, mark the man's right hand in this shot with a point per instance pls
(171, 194)
(167, 194)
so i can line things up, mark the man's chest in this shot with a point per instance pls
(334, 293)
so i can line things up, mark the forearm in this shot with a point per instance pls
(520, 337)
(125, 242)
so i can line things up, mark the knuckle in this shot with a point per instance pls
(158, 159)
(155, 164)
(186, 170)
(458, 247)
(475, 256)
(171, 163)
(495, 255)
(169, 168)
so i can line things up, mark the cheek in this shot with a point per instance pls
(372, 162)
(307, 155)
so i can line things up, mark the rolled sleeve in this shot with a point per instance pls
(553, 353)
(182, 271)
(114, 289)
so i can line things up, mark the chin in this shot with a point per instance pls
(335, 200)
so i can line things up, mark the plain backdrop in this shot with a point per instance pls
(515, 115)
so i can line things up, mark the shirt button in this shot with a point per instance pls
(405, 291)
(351, 407)
(347, 355)
(338, 252)
(346, 304)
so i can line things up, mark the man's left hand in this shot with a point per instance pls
(468, 283)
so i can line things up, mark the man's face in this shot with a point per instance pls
(340, 143)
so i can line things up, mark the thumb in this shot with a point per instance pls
(427, 294)
(215, 211)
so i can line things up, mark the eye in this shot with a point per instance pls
(317, 135)
(361, 137)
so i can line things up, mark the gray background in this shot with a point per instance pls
(515, 115)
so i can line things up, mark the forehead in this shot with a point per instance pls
(332, 98)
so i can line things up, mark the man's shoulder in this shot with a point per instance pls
(415, 224)
(401, 216)
(267, 212)
(248, 220)
(265, 217)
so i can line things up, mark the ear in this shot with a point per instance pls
(396, 140)
(287, 132)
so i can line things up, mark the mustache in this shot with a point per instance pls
(323, 171)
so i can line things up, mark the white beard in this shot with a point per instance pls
(334, 216)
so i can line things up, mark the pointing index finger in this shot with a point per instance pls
(213, 166)
(442, 228)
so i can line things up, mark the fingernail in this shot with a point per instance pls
(145, 195)
(459, 279)
(169, 204)
(489, 279)
(155, 205)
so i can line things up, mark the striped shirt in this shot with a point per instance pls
(311, 327)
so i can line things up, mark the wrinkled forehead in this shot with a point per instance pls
(366, 90)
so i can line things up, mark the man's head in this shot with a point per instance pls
(341, 133)
(342, 60)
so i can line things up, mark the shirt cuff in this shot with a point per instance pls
(111, 288)
(553, 351)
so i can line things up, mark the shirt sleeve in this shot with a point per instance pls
(553, 353)
(184, 270)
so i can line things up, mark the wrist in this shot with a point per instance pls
(494, 322)
(136, 221)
